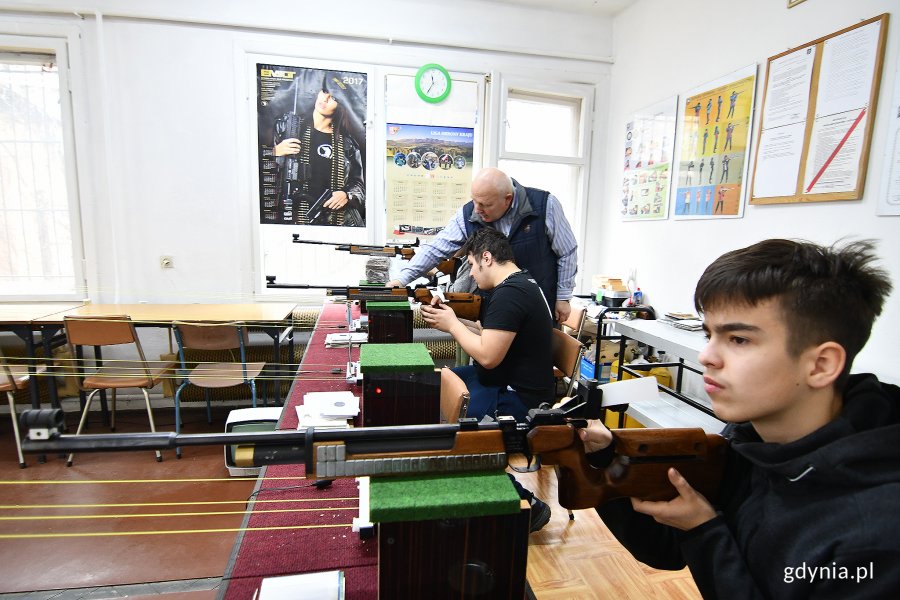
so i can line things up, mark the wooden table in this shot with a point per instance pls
(274, 318)
(23, 319)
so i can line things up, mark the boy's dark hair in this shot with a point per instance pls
(490, 240)
(825, 293)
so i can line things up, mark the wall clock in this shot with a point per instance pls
(432, 83)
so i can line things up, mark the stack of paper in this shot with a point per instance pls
(680, 316)
(326, 585)
(327, 409)
(688, 324)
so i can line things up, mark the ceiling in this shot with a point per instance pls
(587, 7)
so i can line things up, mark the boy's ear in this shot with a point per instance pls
(828, 363)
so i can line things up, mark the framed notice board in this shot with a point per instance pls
(817, 117)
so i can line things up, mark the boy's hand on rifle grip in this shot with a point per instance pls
(288, 146)
(596, 436)
(688, 510)
(440, 316)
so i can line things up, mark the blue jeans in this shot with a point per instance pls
(488, 400)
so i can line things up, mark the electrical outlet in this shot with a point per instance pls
(166, 262)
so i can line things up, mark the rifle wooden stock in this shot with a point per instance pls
(466, 306)
(448, 267)
(639, 468)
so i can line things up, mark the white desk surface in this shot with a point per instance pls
(662, 336)
(667, 411)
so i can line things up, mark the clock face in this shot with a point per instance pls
(433, 83)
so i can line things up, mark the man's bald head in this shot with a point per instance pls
(492, 194)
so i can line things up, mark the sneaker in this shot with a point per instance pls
(540, 514)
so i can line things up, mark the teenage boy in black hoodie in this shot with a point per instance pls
(810, 497)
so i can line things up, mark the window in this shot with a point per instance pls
(39, 234)
(543, 143)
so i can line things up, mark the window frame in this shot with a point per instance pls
(581, 159)
(23, 45)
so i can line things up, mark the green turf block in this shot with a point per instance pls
(395, 358)
(441, 496)
(398, 305)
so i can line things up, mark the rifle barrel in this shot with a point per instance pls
(358, 440)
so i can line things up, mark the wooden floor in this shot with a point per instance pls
(580, 559)
(39, 551)
(115, 519)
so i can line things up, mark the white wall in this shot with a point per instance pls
(165, 124)
(662, 48)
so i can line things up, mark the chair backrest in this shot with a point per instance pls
(107, 330)
(454, 397)
(567, 353)
(110, 330)
(212, 336)
(575, 322)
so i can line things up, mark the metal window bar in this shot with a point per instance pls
(36, 249)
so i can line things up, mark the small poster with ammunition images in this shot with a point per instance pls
(649, 145)
(714, 146)
(312, 146)
(428, 172)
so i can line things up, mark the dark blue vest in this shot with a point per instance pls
(528, 238)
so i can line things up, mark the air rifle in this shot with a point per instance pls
(404, 251)
(466, 306)
(547, 437)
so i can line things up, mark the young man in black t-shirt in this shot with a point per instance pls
(511, 347)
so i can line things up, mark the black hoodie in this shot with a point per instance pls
(816, 518)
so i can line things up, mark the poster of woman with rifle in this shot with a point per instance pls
(312, 146)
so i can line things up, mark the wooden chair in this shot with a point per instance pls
(575, 322)
(567, 352)
(207, 375)
(113, 330)
(454, 397)
(12, 378)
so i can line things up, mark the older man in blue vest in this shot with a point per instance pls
(532, 219)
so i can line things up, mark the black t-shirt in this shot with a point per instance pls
(518, 305)
(320, 157)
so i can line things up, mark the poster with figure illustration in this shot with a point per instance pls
(311, 146)
(714, 144)
(649, 144)
(428, 172)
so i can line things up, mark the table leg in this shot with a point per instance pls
(47, 334)
(26, 334)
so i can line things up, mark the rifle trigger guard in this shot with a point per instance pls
(530, 468)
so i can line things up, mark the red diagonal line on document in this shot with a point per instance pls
(836, 150)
